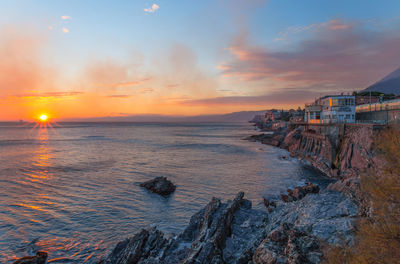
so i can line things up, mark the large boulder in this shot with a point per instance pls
(40, 258)
(160, 185)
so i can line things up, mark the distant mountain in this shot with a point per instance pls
(243, 116)
(389, 84)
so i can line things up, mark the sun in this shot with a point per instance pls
(43, 118)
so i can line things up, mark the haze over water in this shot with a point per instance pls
(73, 190)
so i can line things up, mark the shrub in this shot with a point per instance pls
(378, 236)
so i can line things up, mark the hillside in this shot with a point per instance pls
(243, 116)
(389, 84)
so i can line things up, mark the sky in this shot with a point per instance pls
(94, 58)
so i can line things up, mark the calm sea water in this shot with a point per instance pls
(73, 190)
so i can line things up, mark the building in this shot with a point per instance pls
(366, 99)
(257, 119)
(379, 113)
(331, 109)
(272, 115)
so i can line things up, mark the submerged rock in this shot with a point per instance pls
(160, 185)
(40, 258)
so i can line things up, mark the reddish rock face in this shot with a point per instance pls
(356, 153)
(338, 156)
(299, 192)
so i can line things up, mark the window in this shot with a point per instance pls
(347, 116)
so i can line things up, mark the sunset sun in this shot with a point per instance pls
(43, 118)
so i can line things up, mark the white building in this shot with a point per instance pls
(331, 109)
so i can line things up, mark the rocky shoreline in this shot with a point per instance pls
(234, 232)
(294, 229)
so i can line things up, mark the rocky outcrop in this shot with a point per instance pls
(160, 185)
(299, 192)
(203, 241)
(355, 153)
(274, 138)
(233, 232)
(40, 258)
(288, 245)
(329, 215)
(340, 151)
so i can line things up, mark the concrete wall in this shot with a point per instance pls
(386, 116)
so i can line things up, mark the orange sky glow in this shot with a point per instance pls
(70, 62)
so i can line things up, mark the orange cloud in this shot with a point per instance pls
(152, 9)
(123, 84)
(22, 70)
(337, 55)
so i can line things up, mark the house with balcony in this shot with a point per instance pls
(331, 109)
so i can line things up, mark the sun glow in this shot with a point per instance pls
(43, 121)
(43, 118)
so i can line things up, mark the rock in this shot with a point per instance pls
(203, 241)
(40, 258)
(268, 203)
(274, 139)
(145, 244)
(299, 192)
(311, 188)
(328, 215)
(160, 185)
(285, 198)
(233, 232)
(288, 245)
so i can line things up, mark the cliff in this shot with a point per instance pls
(340, 151)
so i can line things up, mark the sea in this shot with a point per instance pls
(72, 189)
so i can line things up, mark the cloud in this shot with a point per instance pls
(178, 73)
(337, 55)
(146, 90)
(22, 70)
(152, 9)
(65, 30)
(334, 24)
(282, 97)
(119, 95)
(48, 95)
(123, 84)
(113, 74)
(66, 17)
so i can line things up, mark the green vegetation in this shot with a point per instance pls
(378, 236)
